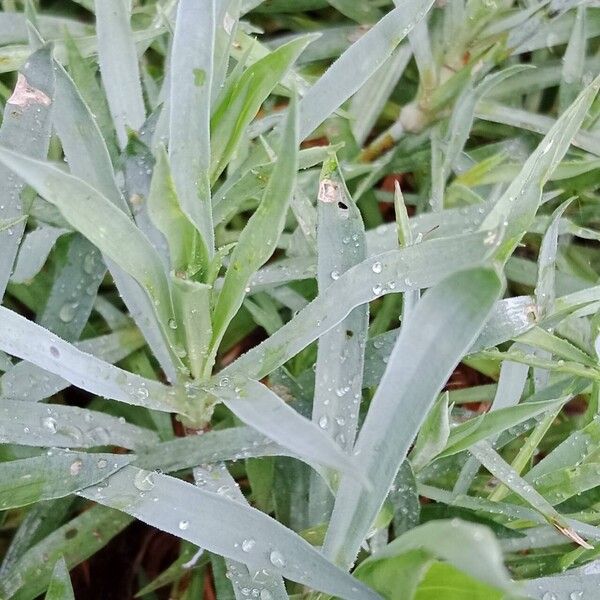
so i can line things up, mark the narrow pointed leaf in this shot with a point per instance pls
(218, 527)
(53, 475)
(441, 328)
(28, 109)
(119, 66)
(191, 78)
(60, 587)
(55, 425)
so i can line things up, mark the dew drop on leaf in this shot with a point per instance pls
(75, 467)
(49, 423)
(277, 559)
(144, 481)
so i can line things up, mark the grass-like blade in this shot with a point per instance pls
(520, 201)
(259, 237)
(26, 381)
(262, 409)
(354, 67)
(28, 109)
(108, 227)
(54, 475)
(236, 443)
(222, 525)
(54, 425)
(84, 370)
(411, 268)
(34, 250)
(119, 66)
(465, 545)
(442, 327)
(243, 99)
(60, 587)
(340, 357)
(30, 575)
(191, 77)
(496, 465)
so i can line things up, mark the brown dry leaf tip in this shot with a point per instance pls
(328, 191)
(573, 535)
(24, 94)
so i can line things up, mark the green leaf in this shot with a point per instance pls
(433, 434)
(84, 370)
(258, 406)
(354, 67)
(441, 328)
(107, 226)
(191, 79)
(338, 375)
(471, 548)
(444, 581)
(119, 66)
(192, 310)
(60, 587)
(74, 290)
(186, 258)
(520, 201)
(54, 425)
(53, 475)
(573, 61)
(75, 541)
(26, 381)
(236, 443)
(222, 526)
(563, 587)
(500, 469)
(361, 12)
(243, 99)
(259, 237)
(396, 578)
(411, 268)
(34, 250)
(28, 109)
(466, 434)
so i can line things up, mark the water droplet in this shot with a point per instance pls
(183, 525)
(277, 559)
(141, 393)
(323, 422)
(89, 262)
(172, 324)
(101, 464)
(247, 545)
(224, 382)
(266, 595)
(377, 289)
(547, 147)
(335, 275)
(144, 481)
(75, 467)
(377, 267)
(67, 312)
(50, 424)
